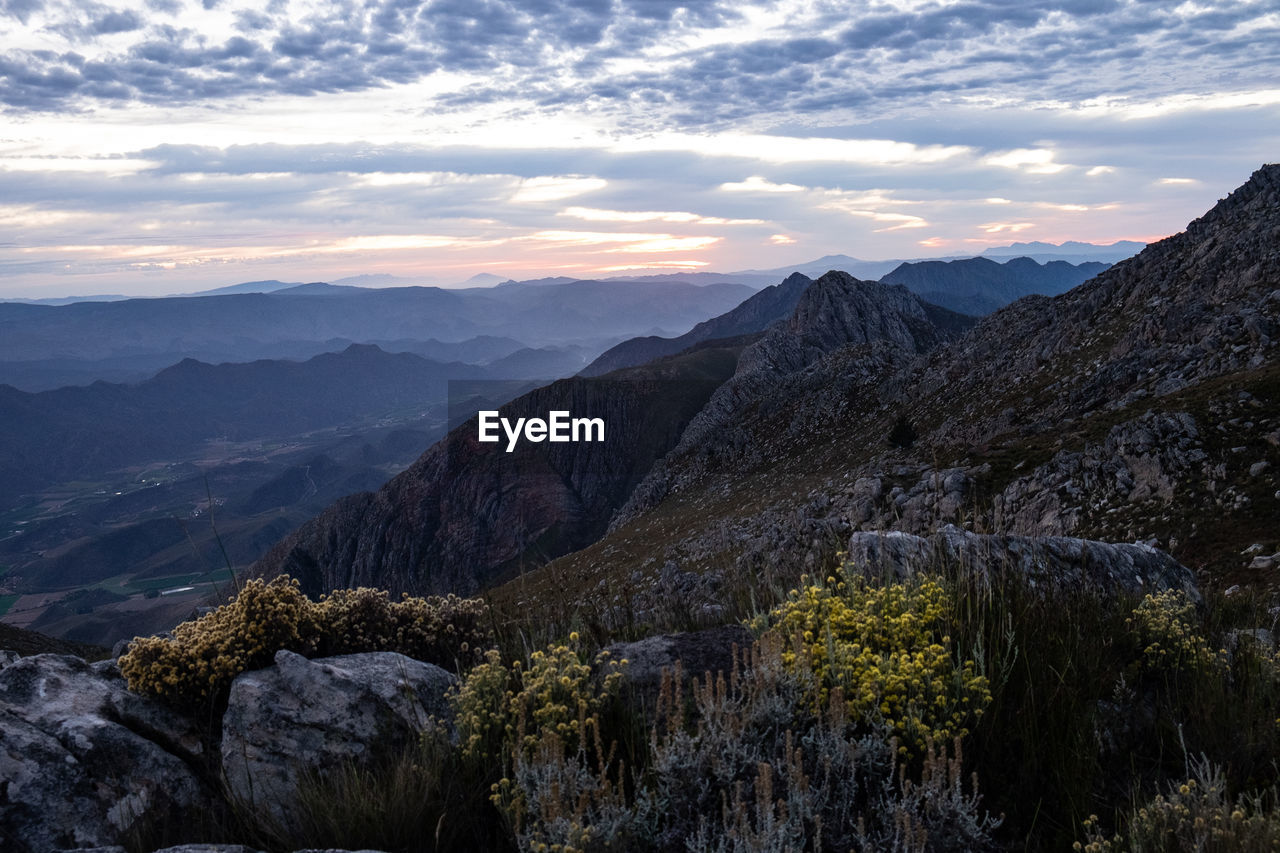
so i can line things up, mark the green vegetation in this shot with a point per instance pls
(6, 601)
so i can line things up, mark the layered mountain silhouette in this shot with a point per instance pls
(537, 316)
(978, 286)
(465, 515)
(973, 286)
(80, 432)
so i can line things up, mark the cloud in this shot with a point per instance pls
(651, 64)
(1036, 161)
(596, 215)
(535, 190)
(757, 184)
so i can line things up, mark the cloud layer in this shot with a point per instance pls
(215, 138)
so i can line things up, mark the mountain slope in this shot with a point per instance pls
(753, 315)
(464, 515)
(467, 513)
(1143, 404)
(978, 286)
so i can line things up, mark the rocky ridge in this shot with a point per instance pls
(754, 315)
(1118, 411)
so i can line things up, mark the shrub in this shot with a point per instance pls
(195, 667)
(884, 648)
(541, 724)
(1165, 625)
(760, 771)
(1196, 815)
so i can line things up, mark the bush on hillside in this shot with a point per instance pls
(884, 648)
(195, 667)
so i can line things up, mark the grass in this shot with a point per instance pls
(6, 601)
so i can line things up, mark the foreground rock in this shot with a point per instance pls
(83, 762)
(698, 652)
(1061, 561)
(300, 718)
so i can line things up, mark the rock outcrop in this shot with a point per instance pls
(83, 762)
(304, 717)
(1046, 561)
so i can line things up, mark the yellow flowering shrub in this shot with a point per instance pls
(1196, 815)
(499, 706)
(884, 648)
(1165, 625)
(541, 723)
(199, 662)
(204, 655)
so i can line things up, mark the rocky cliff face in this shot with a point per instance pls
(842, 334)
(467, 513)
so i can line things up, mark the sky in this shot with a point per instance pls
(161, 146)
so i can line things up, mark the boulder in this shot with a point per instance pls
(301, 718)
(1044, 560)
(84, 762)
(710, 650)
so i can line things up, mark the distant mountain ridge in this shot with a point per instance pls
(754, 315)
(978, 286)
(72, 433)
(1071, 250)
(576, 312)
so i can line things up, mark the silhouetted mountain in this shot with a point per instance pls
(47, 374)
(754, 315)
(1071, 251)
(555, 314)
(978, 286)
(856, 267)
(545, 363)
(71, 433)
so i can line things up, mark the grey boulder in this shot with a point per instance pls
(301, 718)
(1043, 560)
(83, 761)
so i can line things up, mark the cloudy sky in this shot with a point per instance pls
(158, 146)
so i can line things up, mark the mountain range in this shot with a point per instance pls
(1119, 409)
(575, 312)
